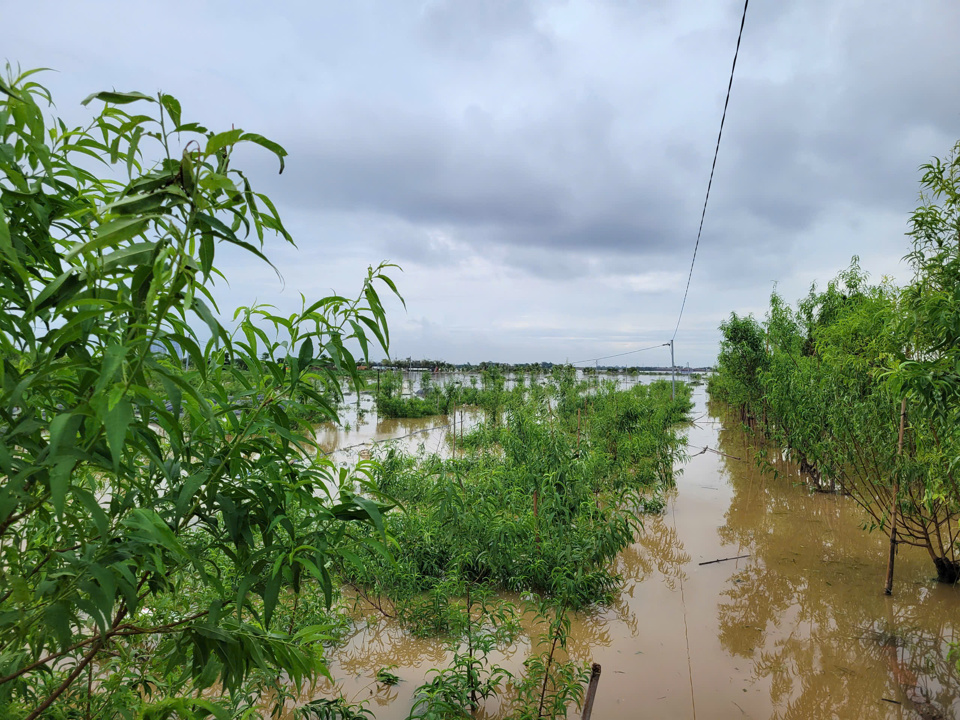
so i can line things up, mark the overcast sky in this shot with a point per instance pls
(538, 168)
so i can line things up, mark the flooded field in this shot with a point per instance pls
(799, 628)
(360, 429)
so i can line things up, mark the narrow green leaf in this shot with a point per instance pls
(60, 483)
(64, 286)
(206, 254)
(117, 98)
(63, 432)
(5, 244)
(113, 358)
(116, 424)
(57, 619)
(116, 231)
(305, 356)
(172, 106)
(97, 514)
(188, 492)
(7, 90)
(372, 510)
(222, 140)
(271, 592)
(216, 329)
(147, 525)
(140, 203)
(273, 147)
(216, 181)
(137, 254)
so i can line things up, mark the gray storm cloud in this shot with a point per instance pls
(538, 168)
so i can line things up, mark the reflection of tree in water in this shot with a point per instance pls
(587, 632)
(383, 695)
(378, 642)
(624, 614)
(657, 548)
(632, 565)
(662, 545)
(934, 685)
(809, 611)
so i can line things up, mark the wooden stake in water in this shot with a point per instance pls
(888, 588)
(591, 691)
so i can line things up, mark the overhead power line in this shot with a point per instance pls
(629, 352)
(716, 152)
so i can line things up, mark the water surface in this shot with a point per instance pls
(799, 629)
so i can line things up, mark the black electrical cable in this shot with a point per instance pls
(629, 352)
(716, 152)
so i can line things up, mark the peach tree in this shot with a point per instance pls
(163, 506)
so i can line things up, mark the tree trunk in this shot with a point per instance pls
(948, 571)
(888, 588)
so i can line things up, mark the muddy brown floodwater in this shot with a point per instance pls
(799, 629)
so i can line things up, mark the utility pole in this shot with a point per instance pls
(673, 374)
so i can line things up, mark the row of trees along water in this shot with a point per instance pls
(860, 383)
(441, 393)
(172, 542)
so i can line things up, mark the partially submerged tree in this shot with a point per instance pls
(740, 362)
(927, 372)
(154, 525)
